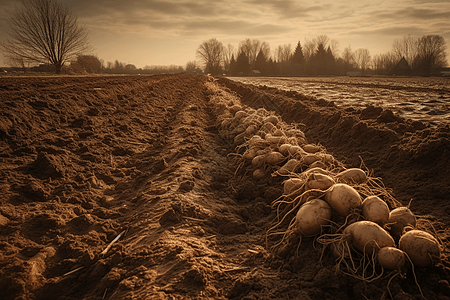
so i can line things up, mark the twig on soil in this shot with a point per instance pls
(73, 271)
(112, 242)
(193, 219)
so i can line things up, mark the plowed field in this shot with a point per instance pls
(128, 187)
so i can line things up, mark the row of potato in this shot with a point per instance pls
(342, 208)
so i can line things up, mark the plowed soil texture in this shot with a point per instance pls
(124, 188)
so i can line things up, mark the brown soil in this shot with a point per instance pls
(139, 160)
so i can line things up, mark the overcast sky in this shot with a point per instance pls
(164, 32)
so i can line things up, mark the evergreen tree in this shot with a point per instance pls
(232, 66)
(298, 60)
(330, 62)
(242, 64)
(261, 63)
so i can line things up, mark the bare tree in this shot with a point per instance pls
(192, 67)
(251, 48)
(228, 53)
(44, 31)
(407, 48)
(309, 48)
(283, 53)
(431, 54)
(362, 58)
(349, 58)
(210, 53)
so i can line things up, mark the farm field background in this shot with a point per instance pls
(128, 187)
(417, 98)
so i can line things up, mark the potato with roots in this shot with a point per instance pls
(399, 218)
(353, 175)
(312, 217)
(290, 167)
(376, 210)
(284, 149)
(310, 148)
(422, 248)
(259, 173)
(343, 199)
(391, 258)
(364, 236)
(292, 184)
(319, 181)
(275, 158)
(367, 236)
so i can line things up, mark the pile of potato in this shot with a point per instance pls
(346, 210)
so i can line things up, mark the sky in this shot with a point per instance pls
(168, 32)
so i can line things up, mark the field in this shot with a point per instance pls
(128, 187)
(417, 98)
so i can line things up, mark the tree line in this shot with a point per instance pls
(424, 56)
(45, 32)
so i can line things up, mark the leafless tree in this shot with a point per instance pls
(349, 58)
(431, 54)
(407, 48)
(309, 48)
(228, 53)
(283, 53)
(251, 49)
(210, 53)
(192, 67)
(362, 58)
(44, 31)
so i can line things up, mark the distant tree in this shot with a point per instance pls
(130, 68)
(283, 53)
(210, 53)
(242, 64)
(261, 63)
(407, 48)
(228, 52)
(318, 62)
(431, 55)
(232, 66)
(109, 65)
(86, 63)
(44, 31)
(348, 58)
(298, 59)
(193, 68)
(309, 48)
(362, 59)
(118, 66)
(251, 48)
(283, 58)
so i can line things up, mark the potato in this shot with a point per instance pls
(291, 166)
(376, 210)
(422, 248)
(274, 158)
(353, 175)
(343, 199)
(319, 181)
(259, 173)
(312, 216)
(391, 258)
(399, 218)
(367, 236)
(311, 148)
(258, 161)
(291, 185)
(284, 149)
